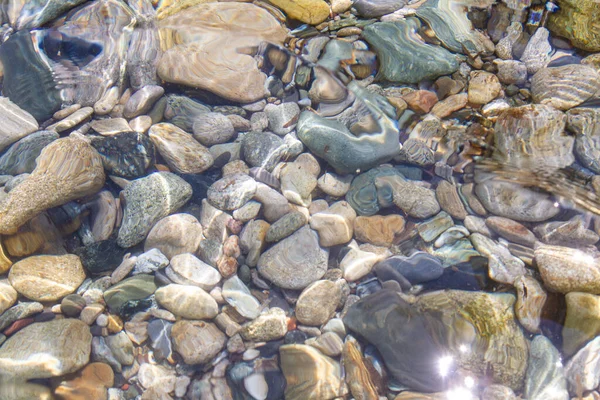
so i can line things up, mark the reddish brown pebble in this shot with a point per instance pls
(420, 101)
(17, 326)
(227, 266)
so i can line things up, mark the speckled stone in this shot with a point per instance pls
(566, 270)
(232, 191)
(186, 301)
(335, 225)
(582, 322)
(197, 341)
(271, 325)
(285, 226)
(317, 303)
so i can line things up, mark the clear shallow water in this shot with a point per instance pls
(309, 201)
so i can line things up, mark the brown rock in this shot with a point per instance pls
(420, 101)
(582, 322)
(196, 341)
(378, 230)
(91, 383)
(47, 278)
(447, 106)
(357, 374)
(511, 230)
(447, 195)
(483, 87)
(67, 169)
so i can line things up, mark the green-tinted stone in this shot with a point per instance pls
(578, 21)
(135, 288)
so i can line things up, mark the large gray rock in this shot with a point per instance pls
(20, 157)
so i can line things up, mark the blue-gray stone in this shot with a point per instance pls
(418, 268)
(20, 157)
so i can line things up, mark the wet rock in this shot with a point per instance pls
(101, 256)
(511, 72)
(282, 118)
(174, 235)
(153, 376)
(449, 105)
(582, 322)
(21, 311)
(20, 157)
(206, 55)
(8, 296)
(197, 341)
(142, 100)
(135, 288)
(309, 374)
(583, 369)
(358, 376)
(92, 382)
(565, 270)
(239, 297)
(271, 325)
(433, 227)
(449, 200)
(564, 87)
(503, 266)
(285, 226)
(18, 123)
(232, 191)
(159, 332)
(378, 230)
(186, 301)
(414, 200)
(110, 126)
(545, 377)
(67, 169)
(317, 303)
(407, 59)
(357, 263)
(328, 343)
(537, 53)
(566, 233)
(65, 343)
(513, 201)
(147, 201)
(72, 120)
(47, 278)
(182, 111)
(296, 261)
(180, 150)
(364, 195)
(297, 183)
(150, 262)
(511, 230)
(262, 149)
(371, 9)
(335, 225)
(186, 269)
(531, 298)
(213, 128)
(573, 20)
(483, 87)
(128, 154)
(418, 268)
(585, 124)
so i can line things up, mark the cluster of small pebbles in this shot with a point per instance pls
(300, 199)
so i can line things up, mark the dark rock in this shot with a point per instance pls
(159, 332)
(295, 336)
(128, 154)
(200, 184)
(101, 256)
(72, 305)
(131, 307)
(418, 268)
(20, 157)
(135, 288)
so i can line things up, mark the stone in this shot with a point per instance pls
(197, 341)
(150, 262)
(8, 296)
(571, 233)
(121, 347)
(312, 12)
(206, 55)
(100, 256)
(511, 230)
(309, 374)
(334, 185)
(357, 263)
(297, 183)
(449, 200)
(346, 151)
(20, 156)
(407, 59)
(414, 200)
(18, 123)
(186, 301)
(71, 121)
(252, 240)
(237, 294)
(142, 100)
(285, 226)
(232, 192)
(449, 105)
(20, 311)
(147, 201)
(128, 154)
(511, 72)
(538, 51)
(564, 87)
(420, 267)
(378, 230)
(282, 118)
(179, 149)
(317, 303)
(502, 265)
(213, 128)
(582, 322)
(483, 87)
(134, 288)
(531, 298)
(65, 344)
(585, 124)
(187, 269)
(545, 377)
(268, 326)
(583, 369)
(296, 261)
(573, 21)
(335, 225)
(371, 9)
(47, 278)
(516, 202)
(566, 270)
(67, 169)
(262, 149)
(92, 382)
(174, 235)
(159, 332)
(156, 376)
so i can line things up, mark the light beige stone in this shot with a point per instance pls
(8, 296)
(186, 301)
(317, 303)
(335, 225)
(483, 87)
(378, 229)
(175, 234)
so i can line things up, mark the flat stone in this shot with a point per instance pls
(197, 341)
(20, 157)
(566, 270)
(582, 322)
(297, 183)
(180, 150)
(71, 121)
(147, 201)
(18, 123)
(213, 128)
(502, 265)
(296, 261)
(237, 294)
(252, 240)
(564, 87)
(483, 87)
(531, 298)
(135, 288)
(378, 230)
(65, 344)
(150, 262)
(571, 233)
(418, 268)
(271, 325)
(187, 269)
(174, 235)
(317, 303)
(110, 126)
(416, 201)
(142, 100)
(186, 301)
(573, 21)
(449, 105)
(449, 200)
(47, 278)
(335, 225)
(335, 185)
(511, 230)
(20, 311)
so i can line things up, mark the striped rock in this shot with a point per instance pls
(565, 87)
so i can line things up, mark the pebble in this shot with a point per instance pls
(134, 288)
(567, 233)
(511, 230)
(186, 301)
(297, 183)
(141, 124)
(20, 311)
(545, 377)
(282, 118)
(147, 201)
(449, 200)
(582, 322)
(583, 369)
(20, 156)
(237, 294)
(197, 341)
(296, 261)
(142, 101)
(531, 298)
(268, 326)
(483, 87)
(180, 150)
(187, 269)
(8, 296)
(247, 212)
(18, 123)
(503, 266)
(127, 154)
(68, 341)
(317, 303)
(213, 128)
(285, 226)
(378, 230)
(312, 12)
(72, 304)
(537, 53)
(91, 382)
(174, 235)
(564, 87)
(449, 105)
(566, 270)
(159, 332)
(334, 225)
(232, 191)
(418, 268)
(511, 72)
(47, 278)
(358, 263)
(328, 343)
(414, 200)
(335, 185)
(72, 120)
